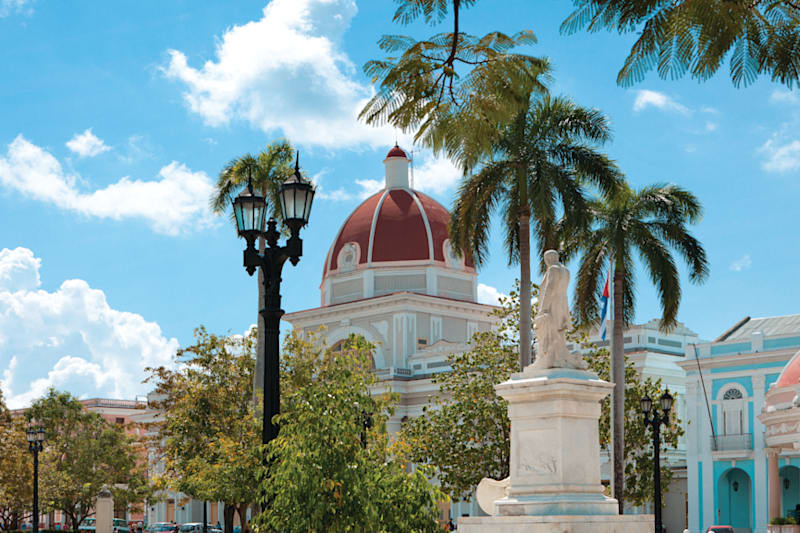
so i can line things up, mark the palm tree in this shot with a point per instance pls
(651, 222)
(541, 159)
(696, 36)
(267, 170)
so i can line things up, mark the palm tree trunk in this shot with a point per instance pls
(525, 288)
(618, 394)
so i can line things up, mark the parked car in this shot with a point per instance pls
(197, 527)
(162, 527)
(120, 525)
(719, 529)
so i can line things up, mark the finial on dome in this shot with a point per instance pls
(297, 162)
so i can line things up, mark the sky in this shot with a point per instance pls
(116, 118)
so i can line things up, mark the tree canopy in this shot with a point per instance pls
(452, 89)
(16, 470)
(760, 37)
(209, 439)
(83, 453)
(332, 467)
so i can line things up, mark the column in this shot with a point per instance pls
(774, 483)
(760, 478)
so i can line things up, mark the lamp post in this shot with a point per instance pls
(35, 435)
(654, 418)
(250, 210)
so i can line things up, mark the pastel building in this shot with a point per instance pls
(737, 387)
(391, 275)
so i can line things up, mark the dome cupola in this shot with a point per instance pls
(397, 233)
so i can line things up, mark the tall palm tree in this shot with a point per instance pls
(267, 170)
(651, 223)
(537, 168)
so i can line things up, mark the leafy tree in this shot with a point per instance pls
(267, 171)
(759, 37)
(541, 160)
(16, 470)
(651, 222)
(83, 454)
(464, 432)
(329, 471)
(209, 439)
(453, 88)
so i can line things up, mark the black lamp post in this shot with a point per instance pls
(654, 418)
(35, 435)
(250, 210)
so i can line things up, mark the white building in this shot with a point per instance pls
(391, 276)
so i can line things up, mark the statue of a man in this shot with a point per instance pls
(553, 319)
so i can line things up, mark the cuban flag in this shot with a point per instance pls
(604, 314)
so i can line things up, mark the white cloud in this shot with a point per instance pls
(646, 98)
(711, 126)
(175, 202)
(19, 270)
(284, 72)
(7, 7)
(781, 155)
(489, 295)
(70, 339)
(780, 96)
(87, 144)
(436, 175)
(743, 263)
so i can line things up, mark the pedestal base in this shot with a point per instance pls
(641, 523)
(561, 504)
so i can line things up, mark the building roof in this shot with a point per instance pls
(768, 326)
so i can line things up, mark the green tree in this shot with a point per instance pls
(453, 88)
(16, 470)
(210, 438)
(464, 432)
(651, 222)
(759, 37)
(83, 454)
(330, 472)
(267, 171)
(541, 160)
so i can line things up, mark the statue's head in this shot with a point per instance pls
(550, 257)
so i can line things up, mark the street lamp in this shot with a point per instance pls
(250, 210)
(654, 418)
(35, 435)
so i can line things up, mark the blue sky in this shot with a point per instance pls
(115, 119)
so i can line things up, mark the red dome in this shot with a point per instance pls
(394, 225)
(396, 152)
(791, 372)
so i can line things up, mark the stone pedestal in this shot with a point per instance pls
(554, 483)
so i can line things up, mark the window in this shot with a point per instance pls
(732, 394)
(120, 421)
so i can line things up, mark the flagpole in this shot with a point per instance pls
(610, 328)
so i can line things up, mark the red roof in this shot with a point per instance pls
(399, 224)
(396, 152)
(791, 372)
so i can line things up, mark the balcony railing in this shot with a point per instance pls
(722, 443)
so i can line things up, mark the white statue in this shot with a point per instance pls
(552, 319)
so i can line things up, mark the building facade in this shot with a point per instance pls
(392, 276)
(729, 385)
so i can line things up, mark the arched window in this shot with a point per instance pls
(733, 412)
(732, 394)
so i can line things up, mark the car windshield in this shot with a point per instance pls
(162, 527)
(720, 530)
(189, 527)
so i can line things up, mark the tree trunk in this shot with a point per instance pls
(242, 510)
(525, 289)
(227, 515)
(618, 394)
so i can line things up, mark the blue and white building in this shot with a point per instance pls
(732, 384)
